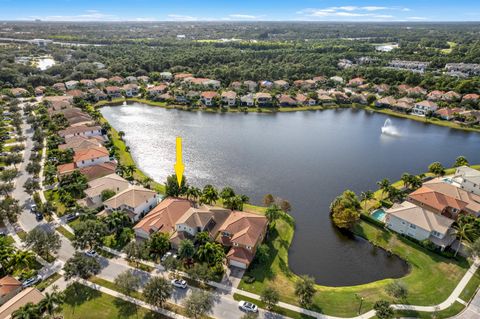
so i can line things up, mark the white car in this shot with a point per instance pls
(179, 283)
(31, 281)
(91, 253)
(247, 306)
(168, 254)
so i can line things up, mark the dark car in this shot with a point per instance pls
(38, 216)
(71, 217)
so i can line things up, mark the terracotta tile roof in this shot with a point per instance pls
(112, 182)
(8, 284)
(209, 94)
(81, 142)
(448, 112)
(66, 168)
(229, 95)
(91, 153)
(78, 129)
(471, 96)
(99, 170)
(181, 76)
(164, 216)
(246, 229)
(263, 95)
(101, 80)
(112, 89)
(241, 255)
(28, 295)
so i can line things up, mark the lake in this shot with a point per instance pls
(307, 158)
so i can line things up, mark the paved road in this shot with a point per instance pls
(473, 309)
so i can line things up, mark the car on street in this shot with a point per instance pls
(91, 253)
(33, 208)
(179, 283)
(38, 216)
(167, 255)
(71, 217)
(31, 281)
(247, 306)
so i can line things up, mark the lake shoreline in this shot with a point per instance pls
(434, 121)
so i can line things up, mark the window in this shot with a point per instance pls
(413, 226)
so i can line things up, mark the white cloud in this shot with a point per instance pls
(89, 15)
(417, 18)
(243, 16)
(181, 17)
(374, 8)
(351, 12)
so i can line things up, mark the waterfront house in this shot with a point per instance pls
(156, 90)
(113, 91)
(71, 85)
(208, 98)
(424, 108)
(404, 105)
(229, 98)
(99, 170)
(95, 188)
(247, 100)
(446, 199)
(82, 130)
(388, 102)
(243, 232)
(97, 94)
(447, 113)
(302, 99)
(136, 201)
(263, 99)
(91, 156)
(130, 89)
(286, 100)
(451, 96)
(9, 287)
(326, 100)
(468, 179)
(202, 219)
(162, 218)
(420, 223)
(81, 142)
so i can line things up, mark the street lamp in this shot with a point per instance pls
(361, 302)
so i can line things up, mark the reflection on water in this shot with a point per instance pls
(305, 157)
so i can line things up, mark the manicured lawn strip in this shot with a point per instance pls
(65, 233)
(50, 280)
(285, 312)
(447, 313)
(435, 121)
(431, 279)
(138, 295)
(22, 234)
(52, 195)
(83, 302)
(471, 287)
(141, 266)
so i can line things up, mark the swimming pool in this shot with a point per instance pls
(379, 215)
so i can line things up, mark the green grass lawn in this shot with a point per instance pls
(52, 195)
(471, 287)
(447, 313)
(65, 233)
(82, 302)
(50, 280)
(430, 280)
(284, 312)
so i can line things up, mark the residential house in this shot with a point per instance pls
(359, 98)
(19, 92)
(162, 218)
(356, 82)
(266, 84)
(91, 156)
(167, 76)
(95, 188)
(337, 79)
(113, 91)
(101, 81)
(203, 219)
(182, 76)
(130, 89)
(388, 101)
(58, 102)
(405, 105)
(76, 93)
(116, 80)
(81, 142)
(136, 201)
(435, 95)
(414, 66)
(9, 287)
(39, 90)
(471, 98)
(303, 99)
(99, 170)
(281, 84)
(208, 98)
(468, 178)
(82, 130)
(156, 90)
(88, 83)
(326, 100)
(250, 85)
(59, 87)
(319, 79)
(416, 91)
(451, 96)
(263, 99)
(243, 232)
(145, 79)
(97, 94)
(131, 79)
(71, 85)
(446, 199)
(447, 113)
(286, 100)
(424, 108)
(340, 97)
(236, 85)
(229, 98)
(247, 100)
(420, 223)
(28, 295)
(381, 88)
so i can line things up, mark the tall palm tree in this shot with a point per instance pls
(51, 303)
(22, 259)
(29, 311)
(209, 195)
(463, 231)
(194, 193)
(384, 185)
(366, 196)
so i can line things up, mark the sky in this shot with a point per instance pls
(241, 10)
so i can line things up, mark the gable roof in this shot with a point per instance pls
(90, 153)
(8, 284)
(99, 170)
(78, 129)
(164, 216)
(246, 228)
(27, 295)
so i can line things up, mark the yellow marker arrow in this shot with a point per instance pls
(179, 167)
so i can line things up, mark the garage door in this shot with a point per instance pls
(238, 264)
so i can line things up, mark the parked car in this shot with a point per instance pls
(247, 306)
(38, 216)
(71, 217)
(31, 281)
(168, 254)
(91, 253)
(179, 283)
(33, 208)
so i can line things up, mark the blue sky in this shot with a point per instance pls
(245, 10)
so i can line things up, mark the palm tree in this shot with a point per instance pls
(51, 303)
(130, 169)
(406, 179)
(117, 221)
(209, 195)
(384, 185)
(272, 213)
(463, 231)
(146, 181)
(366, 196)
(22, 259)
(194, 193)
(210, 252)
(29, 311)
(121, 134)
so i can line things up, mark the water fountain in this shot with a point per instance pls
(389, 129)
